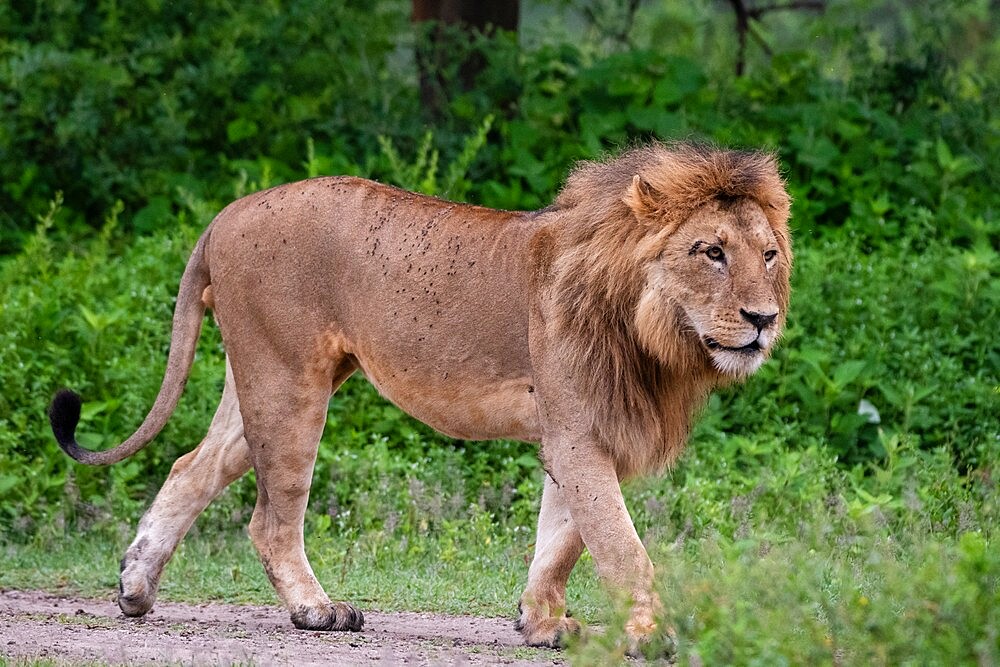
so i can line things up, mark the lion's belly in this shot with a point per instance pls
(458, 405)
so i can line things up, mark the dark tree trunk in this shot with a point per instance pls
(745, 14)
(446, 29)
(473, 13)
(742, 25)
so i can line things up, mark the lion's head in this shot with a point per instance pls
(724, 272)
(674, 274)
(719, 223)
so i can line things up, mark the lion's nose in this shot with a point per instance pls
(759, 320)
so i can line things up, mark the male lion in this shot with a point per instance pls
(595, 327)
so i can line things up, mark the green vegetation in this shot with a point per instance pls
(841, 507)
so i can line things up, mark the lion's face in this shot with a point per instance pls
(726, 272)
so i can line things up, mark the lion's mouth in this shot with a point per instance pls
(749, 349)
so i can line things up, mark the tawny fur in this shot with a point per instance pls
(595, 327)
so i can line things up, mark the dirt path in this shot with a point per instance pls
(73, 630)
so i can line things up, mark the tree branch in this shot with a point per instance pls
(760, 40)
(817, 5)
(744, 16)
(742, 25)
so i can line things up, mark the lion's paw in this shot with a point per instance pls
(136, 590)
(336, 616)
(642, 635)
(546, 631)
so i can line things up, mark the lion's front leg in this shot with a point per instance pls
(586, 481)
(543, 617)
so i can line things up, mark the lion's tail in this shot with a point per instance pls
(64, 413)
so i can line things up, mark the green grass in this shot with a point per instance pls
(480, 574)
(865, 601)
(844, 583)
(784, 559)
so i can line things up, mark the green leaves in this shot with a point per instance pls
(421, 175)
(955, 168)
(103, 106)
(681, 78)
(240, 129)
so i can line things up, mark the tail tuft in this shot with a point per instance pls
(64, 415)
(64, 412)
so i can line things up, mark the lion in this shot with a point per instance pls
(595, 327)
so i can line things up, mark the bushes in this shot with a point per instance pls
(96, 318)
(152, 105)
(106, 104)
(899, 331)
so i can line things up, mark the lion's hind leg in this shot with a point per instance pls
(285, 401)
(543, 618)
(195, 479)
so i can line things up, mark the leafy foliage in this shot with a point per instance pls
(105, 103)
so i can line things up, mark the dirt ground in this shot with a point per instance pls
(71, 630)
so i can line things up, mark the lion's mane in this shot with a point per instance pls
(645, 373)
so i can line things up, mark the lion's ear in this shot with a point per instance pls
(641, 198)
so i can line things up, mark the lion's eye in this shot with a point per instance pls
(715, 254)
(769, 255)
